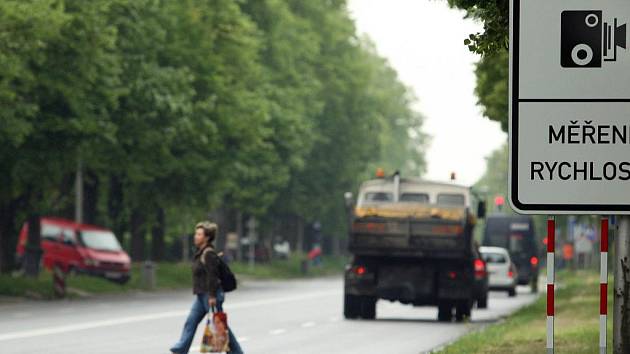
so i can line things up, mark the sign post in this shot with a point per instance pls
(551, 274)
(603, 285)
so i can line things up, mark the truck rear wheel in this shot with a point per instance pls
(351, 306)
(463, 310)
(482, 303)
(368, 307)
(445, 312)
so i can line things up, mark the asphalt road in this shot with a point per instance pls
(297, 317)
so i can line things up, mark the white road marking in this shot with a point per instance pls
(278, 331)
(242, 339)
(155, 316)
(308, 324)
(334, 319)
(87, 325)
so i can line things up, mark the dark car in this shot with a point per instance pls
(516, 233)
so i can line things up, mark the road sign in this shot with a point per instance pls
(569, 107)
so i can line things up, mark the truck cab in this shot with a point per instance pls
(412, 242)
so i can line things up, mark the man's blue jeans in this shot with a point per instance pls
(198, 311)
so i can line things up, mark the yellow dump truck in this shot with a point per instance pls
(412, 242)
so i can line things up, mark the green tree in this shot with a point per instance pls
(51, 109)
(495, 16)
(366, 117)
(495, 178)
(177, 108)
(26, 30)
(492, 73)
(492, 70)
(157, 99)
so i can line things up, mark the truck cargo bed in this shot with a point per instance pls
(412, 236)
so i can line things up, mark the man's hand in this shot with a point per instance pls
(212, 302)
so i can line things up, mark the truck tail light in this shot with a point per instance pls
(452, 275)
(360, 270)
(534, 261)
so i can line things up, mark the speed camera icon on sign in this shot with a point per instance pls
(586, 39)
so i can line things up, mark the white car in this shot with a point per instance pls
(501, 271)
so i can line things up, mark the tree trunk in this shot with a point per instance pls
(222, 223)
(115, 207)
(239, 231)
(6, 221)
(9, 207)
(336, 243)
(7, 235)
(90, 197)
(157, 235)
(33, 252)
(65, 204)
(621, 306)
(138, 234)
(300, 235)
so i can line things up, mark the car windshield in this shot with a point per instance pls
(100, 240)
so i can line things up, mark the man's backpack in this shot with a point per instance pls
(226, 277)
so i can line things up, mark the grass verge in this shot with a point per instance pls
(168, 276)
(576, 322)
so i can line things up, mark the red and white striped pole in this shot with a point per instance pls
(551, 242)
(603, 284)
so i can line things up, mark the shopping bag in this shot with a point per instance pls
(206, 341)
(216, 337)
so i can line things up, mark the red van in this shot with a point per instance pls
(80, 248)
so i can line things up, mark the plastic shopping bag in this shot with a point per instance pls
(216, 337)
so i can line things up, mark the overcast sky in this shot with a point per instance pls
(423, 41)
